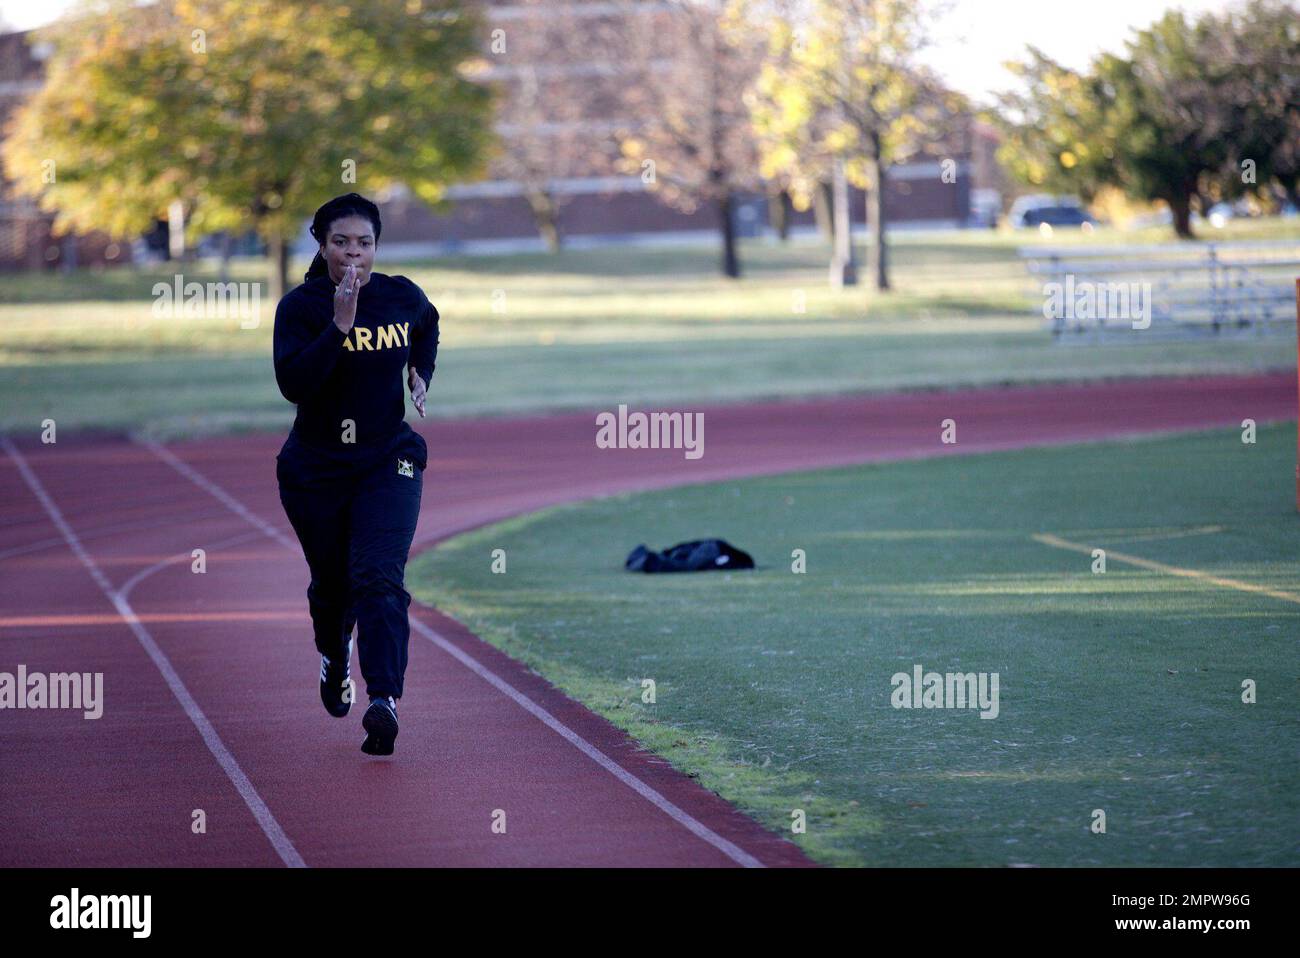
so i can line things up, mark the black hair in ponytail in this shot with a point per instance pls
(349, 204)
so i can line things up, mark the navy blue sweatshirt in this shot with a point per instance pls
(359, 375)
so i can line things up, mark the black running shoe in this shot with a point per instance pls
(336, 688)
(380, 723)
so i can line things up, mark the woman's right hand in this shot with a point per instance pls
(345, 300)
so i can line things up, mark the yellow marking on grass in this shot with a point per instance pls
(1059, 543)
(1173, 533)
(903, 535)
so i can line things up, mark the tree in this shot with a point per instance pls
(793, 129)
(544, 117)
(850, 68)
(686, 73)
(1050, 128)
(1166, 121)
(1170, 120)
(1262, 42)
(250, 112)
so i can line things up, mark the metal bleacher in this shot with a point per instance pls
(1193, 290)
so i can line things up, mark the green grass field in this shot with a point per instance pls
(1119, 691)
(531, 332)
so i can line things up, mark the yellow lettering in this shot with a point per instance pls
(363, 339)
(386, 336)
(405, 336)
(347, 341)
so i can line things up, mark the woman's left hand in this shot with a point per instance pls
(416, 384)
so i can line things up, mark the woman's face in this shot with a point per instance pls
(350, 242)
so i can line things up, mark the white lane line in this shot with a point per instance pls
(270, 827)
(161, 564)
(107, 532)
(700, 830)
(693, 825)
(210, 487)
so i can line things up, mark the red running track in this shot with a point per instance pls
(210, 680)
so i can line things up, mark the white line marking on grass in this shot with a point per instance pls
(697, 828)
(1059, 543)
(270, 827)
(1151, 533)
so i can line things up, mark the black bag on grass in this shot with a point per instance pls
(699, 555)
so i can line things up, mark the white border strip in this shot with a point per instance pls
(270, 827)
(697, 828)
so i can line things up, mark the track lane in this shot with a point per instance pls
(467, 748)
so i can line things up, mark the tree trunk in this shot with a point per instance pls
(843, 269)
(823, 213)
(780, 208)
(278, 251)
(878, 255)
(1291, 188)
(227, 248)
(550, 232)
(547, 216)
(68, 253)
(176, 230)
(1181, 207)
(727, 223)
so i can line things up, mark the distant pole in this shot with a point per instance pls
(1297, 441)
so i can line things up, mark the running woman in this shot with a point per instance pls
(351, 472)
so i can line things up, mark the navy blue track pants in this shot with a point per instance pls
(355, 521)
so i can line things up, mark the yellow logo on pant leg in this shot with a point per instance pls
(404, 468)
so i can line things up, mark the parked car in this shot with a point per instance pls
(1029, 212)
